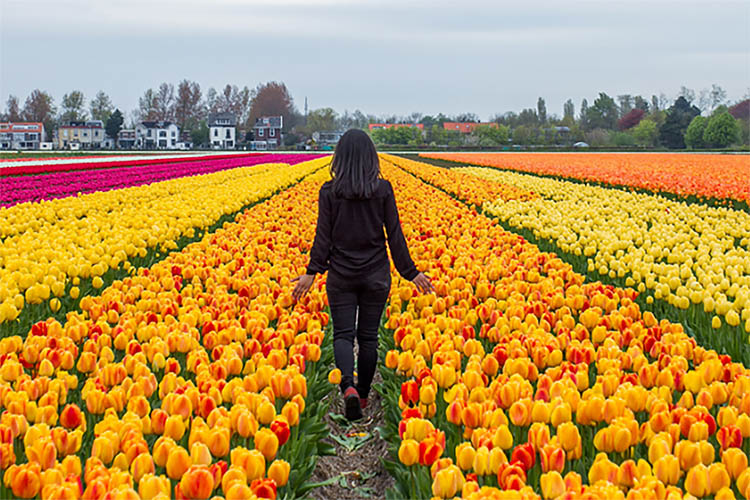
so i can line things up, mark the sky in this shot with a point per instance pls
(382, 57)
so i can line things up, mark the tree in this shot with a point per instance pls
(321, 120)
(233, 100)
(569, 112)
(273, 99)
(491, 136)
(583, 117)
(528, 117)
(622, 139)
(740, 111)
(200, 134)
(598, 137)
(164, 101)
(40, 107)
(524, 134)
(73, 105)
(101, 107)
(188, 106)
(626, 104)
(722, 130)
(631, 119)
(694, 132)
(467, 118)
(641, 103)
(147, 106)
(12, 109)
(603, 114)
(679, 116)
(114, 124)
(645, 133)
(688, 94)
(541, 110)
(712, 98)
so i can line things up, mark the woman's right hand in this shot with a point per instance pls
(423, 283)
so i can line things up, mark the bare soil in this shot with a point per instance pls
(358, 473)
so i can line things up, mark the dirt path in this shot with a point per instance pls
(355, 472)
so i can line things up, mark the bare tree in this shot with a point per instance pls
(188, 105)
(101, 106)
(12, 109)
(271, 98)
(147, 106)
(164, 102)
(40, 107)
(73, 106)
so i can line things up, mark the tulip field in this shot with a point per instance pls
(583, 340)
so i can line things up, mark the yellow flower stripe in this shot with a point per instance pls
(466, 187)
(685, 253)
(46, 244)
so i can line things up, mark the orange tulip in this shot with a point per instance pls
(334, 376)
(174, 427)
(197, 482)
(735, 462)
(150, 486)
(447, 482)
(552, 484)
(697, 481)
(71, 417)
(267, 443)
(279, 472)
(178, 462)
(142, 464)
(408, 452)
(264, 488)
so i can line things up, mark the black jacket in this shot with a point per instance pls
(349, 238)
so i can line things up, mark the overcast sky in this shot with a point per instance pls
(382, 57)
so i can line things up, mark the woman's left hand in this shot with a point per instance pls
(303, 285)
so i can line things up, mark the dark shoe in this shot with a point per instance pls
(352, 410)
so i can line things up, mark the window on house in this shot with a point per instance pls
(148, 133)
(229, 135)
(174, 133)
(272, 132)
(162, 133)
(260, 132)
(216, 132)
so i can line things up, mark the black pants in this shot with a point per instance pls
(356, 308)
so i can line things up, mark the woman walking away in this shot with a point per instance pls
(349, 243)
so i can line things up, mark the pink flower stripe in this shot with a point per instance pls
(109, 163)
(33, 188)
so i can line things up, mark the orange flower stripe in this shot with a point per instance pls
(712, 176)
(520, 376)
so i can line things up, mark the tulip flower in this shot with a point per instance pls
(552, 485)
(267, 443)
(197, 482)
(408, 452)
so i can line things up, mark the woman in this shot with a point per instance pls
(349, 243)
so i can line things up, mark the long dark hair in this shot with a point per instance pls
(355, 168)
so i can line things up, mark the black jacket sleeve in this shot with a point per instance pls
(321, 248)
(396, 240)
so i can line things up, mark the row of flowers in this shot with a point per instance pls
(32, 166)
(518, 379)
(686, 254)
(692, 259)
(32, 188)
(62, 249)
(196, 377)
(686, 175)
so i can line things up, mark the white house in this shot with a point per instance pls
(222, 128)
(157, 135)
